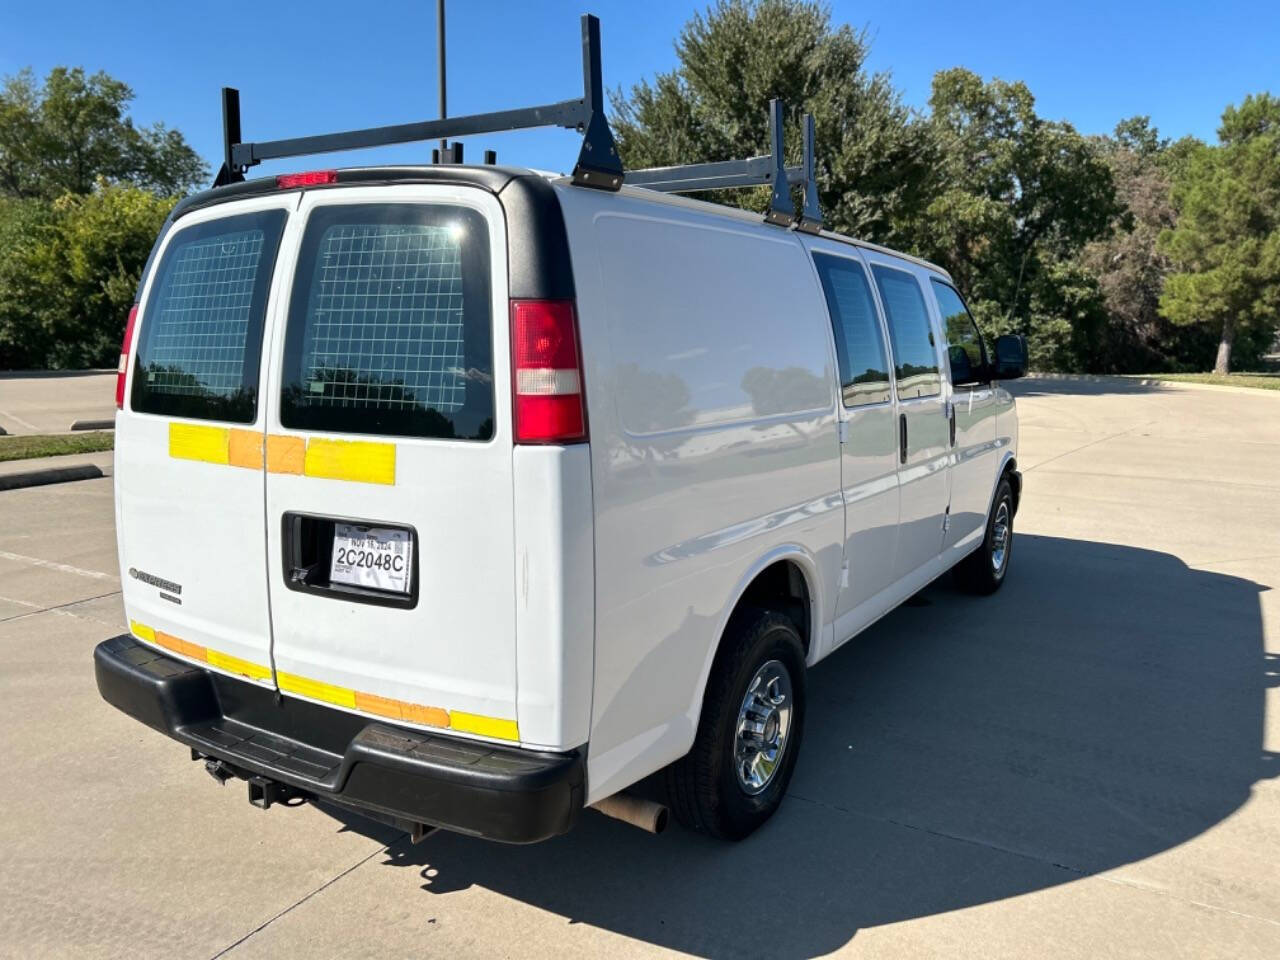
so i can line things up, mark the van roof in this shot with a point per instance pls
(494, 179)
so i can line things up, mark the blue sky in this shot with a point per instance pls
(317, 66)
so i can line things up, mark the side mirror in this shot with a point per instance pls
(1010, 357)
(962, 372)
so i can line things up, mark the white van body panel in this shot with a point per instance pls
(456, 650)
(194, 523)
(711, 403)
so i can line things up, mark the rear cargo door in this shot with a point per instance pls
(389, 461)
(189, 479)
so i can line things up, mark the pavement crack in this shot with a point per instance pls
(56, 608)
(1091, 443)
(324, 886)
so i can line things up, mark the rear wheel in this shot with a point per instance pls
(983, 571)
(749, 733)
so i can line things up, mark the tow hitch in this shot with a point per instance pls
(262, 791)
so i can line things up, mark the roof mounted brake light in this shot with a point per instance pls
(312, 178)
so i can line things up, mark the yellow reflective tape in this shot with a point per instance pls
(291, 683)
(356, 460)
(244, 449)
(484, 726)
(285, 454)
(142, 631)
(190, 442)
(232, 664)
(184, 647)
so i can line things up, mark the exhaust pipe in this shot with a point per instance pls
(645, 814)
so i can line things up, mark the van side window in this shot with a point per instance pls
(201, 337)
(965, 349)
(864, 368)
(915, 361)
(389, 323)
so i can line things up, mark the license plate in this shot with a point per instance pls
(378, 558)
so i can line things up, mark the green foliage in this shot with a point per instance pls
(1225, 247)
(66, 134)
(875, 162)
(69, 279)
(1016, 200)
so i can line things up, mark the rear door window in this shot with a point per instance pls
(390, 327)
(910, 333)
(201, 341)
(864, 368)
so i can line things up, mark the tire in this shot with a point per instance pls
(983, 571)
(704, 788)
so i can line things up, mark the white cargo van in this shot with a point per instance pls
(468, 496)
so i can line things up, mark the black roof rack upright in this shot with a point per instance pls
(766, 169)
(598, 162)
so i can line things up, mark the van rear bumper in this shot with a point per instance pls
(500, 793)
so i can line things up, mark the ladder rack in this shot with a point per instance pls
(598, 165)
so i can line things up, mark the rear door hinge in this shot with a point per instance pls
(843, 431)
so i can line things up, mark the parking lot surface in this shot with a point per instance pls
(1085, 765)
(49, 402)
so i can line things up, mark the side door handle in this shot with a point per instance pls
(902, 438)
(951, 415)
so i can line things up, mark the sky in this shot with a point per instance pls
(315, 67)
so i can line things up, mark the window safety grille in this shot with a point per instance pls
(202, 317)
(385, 320)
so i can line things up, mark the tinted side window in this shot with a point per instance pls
(962, 333)
(389, 323)
(915, 362)
(201, 335)
(864, 370)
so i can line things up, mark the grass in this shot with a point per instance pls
(1262, 381)
(26, 448)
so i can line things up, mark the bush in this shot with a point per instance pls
(70, 273)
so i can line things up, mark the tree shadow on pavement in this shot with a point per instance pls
(1106, 706)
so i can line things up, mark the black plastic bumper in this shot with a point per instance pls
(501, 793)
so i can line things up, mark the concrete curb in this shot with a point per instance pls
(1156, 382)
(38, 478)
(93, 425)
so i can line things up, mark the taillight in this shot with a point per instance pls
(312, 178)
(122, 369)
(547, 372)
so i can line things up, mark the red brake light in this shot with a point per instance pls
(122, 369)
(547, 372)
(312, 178)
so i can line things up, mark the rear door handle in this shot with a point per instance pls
(951, 415)
(902, 438)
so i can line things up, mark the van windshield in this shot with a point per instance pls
(389, 323)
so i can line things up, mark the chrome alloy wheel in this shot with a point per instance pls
(763, 723)
(1000, 533)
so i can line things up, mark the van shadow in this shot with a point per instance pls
(1105, 706)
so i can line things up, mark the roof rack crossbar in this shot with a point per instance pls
(598, 162)
(765, 170)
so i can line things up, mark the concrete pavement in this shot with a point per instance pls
(50, 401)
(1085, 765)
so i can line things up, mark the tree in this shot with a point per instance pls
(1018, 198)
(68, 281)
(874, 161)
(1225, 247)
(64, 135)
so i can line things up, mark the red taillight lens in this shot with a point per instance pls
(547, 372)
(312, 178)
(122, 369)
